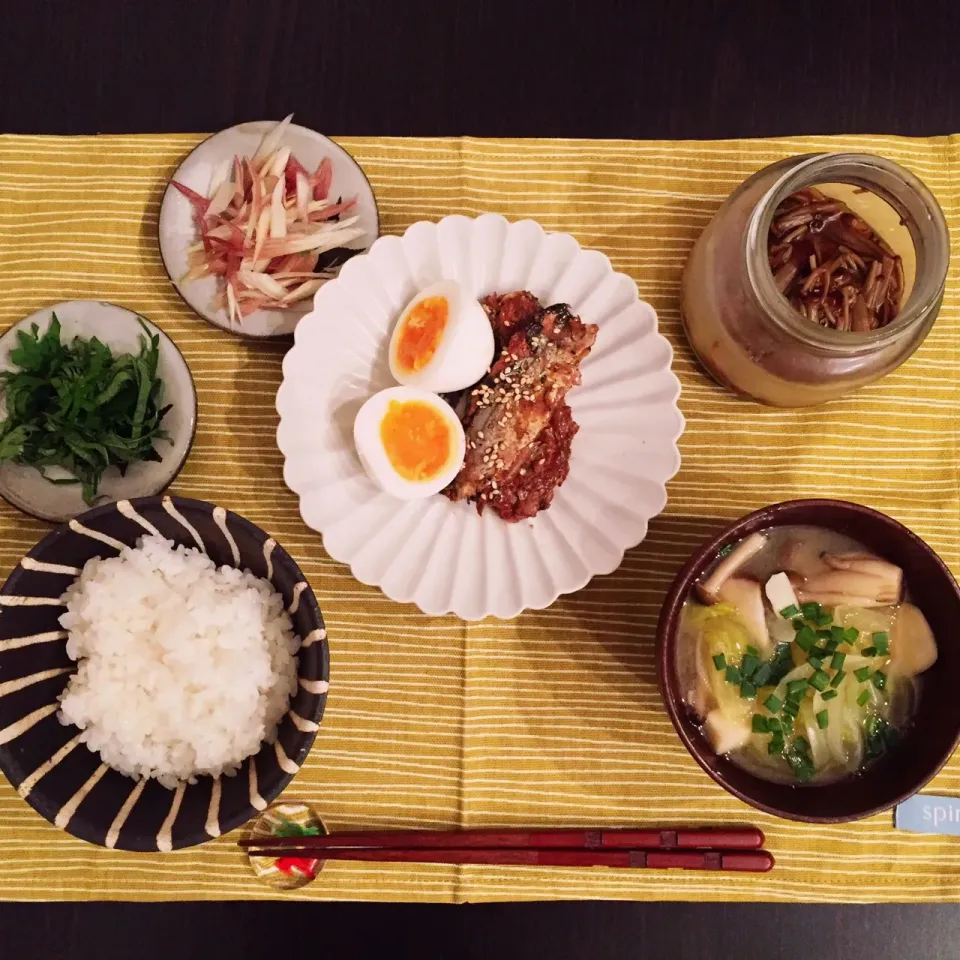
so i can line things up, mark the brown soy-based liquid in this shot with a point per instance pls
(884, 220)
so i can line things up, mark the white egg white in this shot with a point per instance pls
(466, 347)
(373, 457)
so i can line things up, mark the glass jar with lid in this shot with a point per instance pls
(750, 337)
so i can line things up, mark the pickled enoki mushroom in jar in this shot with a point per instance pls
(833, 263)
(819, 274)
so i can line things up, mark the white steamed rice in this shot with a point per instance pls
(184, 668)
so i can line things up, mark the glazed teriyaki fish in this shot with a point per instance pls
(518, 426)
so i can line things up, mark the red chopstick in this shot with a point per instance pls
(707, 849)
(752, 861)
(738, 838)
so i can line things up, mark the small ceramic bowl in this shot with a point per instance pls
(935, 730)
(202, 168)
(121, 330)
(62, 778)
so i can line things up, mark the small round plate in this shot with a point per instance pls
(120, 330)
(206, 163)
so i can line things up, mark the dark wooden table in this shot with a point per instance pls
(574, 68)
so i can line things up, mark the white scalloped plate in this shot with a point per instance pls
(443, 556)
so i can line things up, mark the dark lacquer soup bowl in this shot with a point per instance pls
(934, 730)
(61, 777)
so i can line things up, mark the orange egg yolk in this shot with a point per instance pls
(422, 332)
(416, 439)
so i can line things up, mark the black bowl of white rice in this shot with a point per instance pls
(163, 672)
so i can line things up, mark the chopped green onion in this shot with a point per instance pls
(780, 664)
(869, 651)
(837, 662)
(810, 610)
(882, 643)
(753, 651)
(837, 634)
(880, 638)
(720, 661)
(791, 709)
(759, 724)
(862, 674)
(815, 662)
(798, 624)
(789, 612)
(832, 646)
(776, 744)
(803, 745)
(774, 725)
(820, 680)
(824, 619)
(863, 698)
(747, 690)
(828, 695)
(805, 639)
(851, 635)
(733, 674)
(773, 704)
(879, 679)
(838, 678)
(749, 664)
(823, 719)
(824, 635)
(796, 686)
(725, 551)
(762, 674)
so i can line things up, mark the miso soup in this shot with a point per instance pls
(801, 654)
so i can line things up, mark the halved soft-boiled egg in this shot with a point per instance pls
(443, 340)
(409, 441)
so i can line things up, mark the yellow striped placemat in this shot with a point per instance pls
(553, 718)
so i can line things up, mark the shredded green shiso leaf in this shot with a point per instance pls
(77, 406)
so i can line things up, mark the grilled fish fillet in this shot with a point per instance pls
(540, 354)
